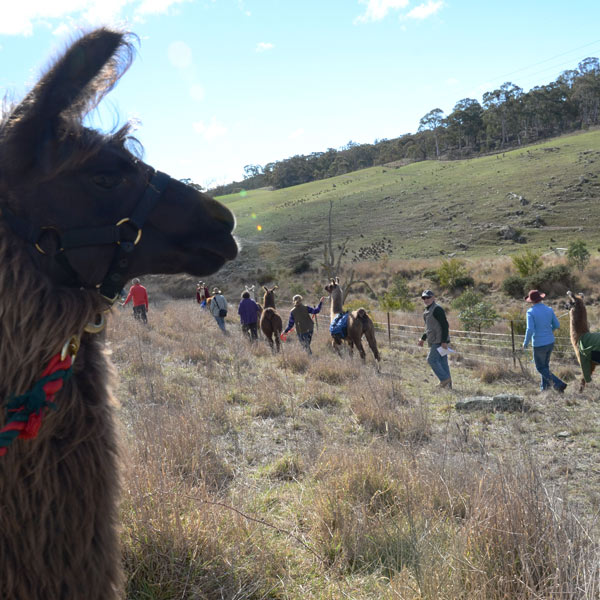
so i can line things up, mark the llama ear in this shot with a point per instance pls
(74, 85)
(275, 288)
(265, 288)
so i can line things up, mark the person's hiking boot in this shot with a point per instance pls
(446, 383)
(561, 389)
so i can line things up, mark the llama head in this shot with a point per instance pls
(72, 193)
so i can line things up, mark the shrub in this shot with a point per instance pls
(527, 263)
(553, 280)
(451, 273)
(514, 286)
(398, 296)
(468, 298)
(480, 316)
(578, 254)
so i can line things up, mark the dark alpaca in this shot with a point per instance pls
(270, 320)
(80, 215)
(578, 326)
(359, 323)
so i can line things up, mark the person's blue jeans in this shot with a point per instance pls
(541, 358)
(305, 339)
(220, 322)
(438, 363)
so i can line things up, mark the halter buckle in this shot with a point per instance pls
(70, 348)
(138, 236)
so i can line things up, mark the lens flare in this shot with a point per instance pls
(253, 215)
(243, 193)
(259, 227)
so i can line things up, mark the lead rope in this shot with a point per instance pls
(25, 412)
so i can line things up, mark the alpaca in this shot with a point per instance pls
(80, 215)
(270, 320)
(585, 344)
(359, 323)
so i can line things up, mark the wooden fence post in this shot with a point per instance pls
(512, 337)
(389, 330)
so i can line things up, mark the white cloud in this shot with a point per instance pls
(197, 92)
(264, 46)
(423, 11)
(452, 81)
(379, 9)
(296, 134)
(210, 131)
(20, 18)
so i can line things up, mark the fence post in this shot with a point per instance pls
(389, 330)
(512, 337)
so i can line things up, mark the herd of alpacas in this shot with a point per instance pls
(80, 215)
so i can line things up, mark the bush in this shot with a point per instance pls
(452, 274)
(398, 296)
(527, 263)
(514, 286)
(468, 298)
(578, 254)
(553, 280)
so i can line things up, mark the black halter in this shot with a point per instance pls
(126, 234)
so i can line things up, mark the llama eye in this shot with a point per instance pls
(106, 181)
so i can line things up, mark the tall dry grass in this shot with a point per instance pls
(254, 475)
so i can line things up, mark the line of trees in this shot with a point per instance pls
(506, 118)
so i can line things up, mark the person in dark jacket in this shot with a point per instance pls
(437, 336)
(300, 316)
(249, 311)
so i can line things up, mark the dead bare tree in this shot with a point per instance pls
(333, 259)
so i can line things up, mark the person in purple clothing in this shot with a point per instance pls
(541, 323)
(249, 311)
(300, 317)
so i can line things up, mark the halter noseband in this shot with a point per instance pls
(119, 234)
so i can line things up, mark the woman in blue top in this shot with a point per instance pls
(541, 323)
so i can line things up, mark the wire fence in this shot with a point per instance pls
(484, 347)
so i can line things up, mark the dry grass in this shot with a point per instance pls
(250, 475)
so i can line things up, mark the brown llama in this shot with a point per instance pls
(80, 215)
(359, 323)
(585, 344)
(270, 320)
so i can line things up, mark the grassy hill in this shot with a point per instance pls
(431, 207)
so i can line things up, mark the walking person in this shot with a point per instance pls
(139, 295)
(249, 311)
(437, 336)
(541, 323)
(218, 308)
(300, 316)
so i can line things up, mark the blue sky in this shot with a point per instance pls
(219, 84)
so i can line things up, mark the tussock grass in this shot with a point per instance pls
(254, 475)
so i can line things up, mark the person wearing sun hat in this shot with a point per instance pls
(541, 323)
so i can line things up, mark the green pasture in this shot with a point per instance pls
(433, 207)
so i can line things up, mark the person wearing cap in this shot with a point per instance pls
(249, 311)
(437, 335)
(541, 323)
(139, 295)
(218, 308)
(300, 317)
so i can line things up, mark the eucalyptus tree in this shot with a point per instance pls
(433, 121)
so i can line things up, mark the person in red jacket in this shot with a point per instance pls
(139, 295)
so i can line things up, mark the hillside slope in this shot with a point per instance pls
(547, 192)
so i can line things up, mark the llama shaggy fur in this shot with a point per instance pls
(270, 320)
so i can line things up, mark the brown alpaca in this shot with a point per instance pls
(359, 323)
(80, 215)
(579, 327)
(270, 320)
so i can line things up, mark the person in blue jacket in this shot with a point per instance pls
(541, 323)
